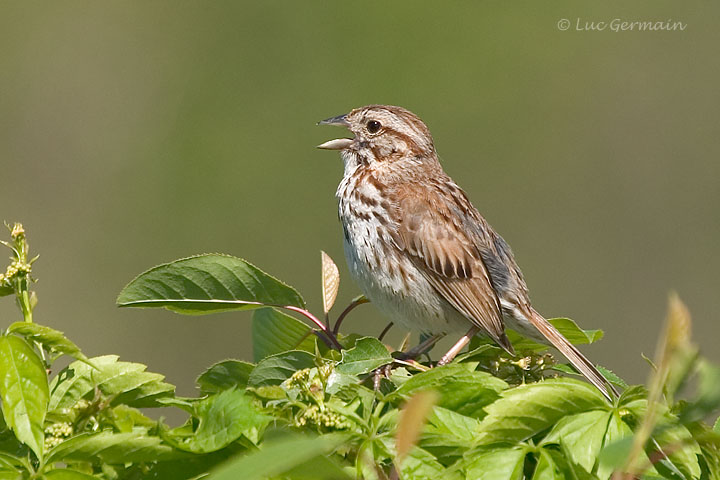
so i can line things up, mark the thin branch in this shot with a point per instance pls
(358, 301)
(385, 330)
(330, 335)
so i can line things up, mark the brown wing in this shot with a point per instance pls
(428, 228)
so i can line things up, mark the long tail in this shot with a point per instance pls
(577, 359)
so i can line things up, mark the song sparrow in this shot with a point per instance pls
(418, 248)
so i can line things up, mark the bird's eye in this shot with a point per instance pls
(373, 126)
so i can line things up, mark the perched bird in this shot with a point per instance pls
(417, 247)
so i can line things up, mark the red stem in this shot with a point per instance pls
(347, 310)
(330, 335)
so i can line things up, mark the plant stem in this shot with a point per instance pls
(324, 329)
(23, 299)
(358, 301)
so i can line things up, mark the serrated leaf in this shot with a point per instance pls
(421, 465)
(505, 463)
(275, 332)
(463, 391)
(616, 448)
(412, 419)
(582, 435)
(330, 281)
(444, 422)
(207, 284)
(276, 369)
(24, 391)
(448, 434)
(225, 375)
(110, 447)
(127, 418)
(51, 339)
(566, 326)
(277, 457)
(223, 418)
(526, 410)
(680, 450)
(367, 355)
(125, 382)
(609, 375)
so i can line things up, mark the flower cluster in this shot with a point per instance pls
(322, 417)
(530, 368)
(56, 433)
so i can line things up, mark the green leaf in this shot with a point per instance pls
(421, 465)
(461, 390)
(569, 329)
(505, 463)
(277, 457)
(6, 290)
(190, 467)
(24, 391)
(65, 474)
(707, 400)
(109, 447)
(126, 382)
(451, 424)
(51, 339)
(223, 418)
(448, 434)
(680, 449)
(570, 469)
(276, 332)
(277, 368)
(367, 355)
(207, 284)
(616, 447)
(546, 468)
(319, 468)
(582, 435)
(127, 418)
(412, 420)
(524, 411)
(225, 375)
(10, 462)
(609, 375)
(10, 475)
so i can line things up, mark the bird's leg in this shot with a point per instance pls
(464, 340)
(421, 348)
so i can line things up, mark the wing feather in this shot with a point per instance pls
(450, 261)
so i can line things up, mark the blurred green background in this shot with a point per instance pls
(134, 133)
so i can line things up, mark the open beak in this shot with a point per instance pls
(338, 143)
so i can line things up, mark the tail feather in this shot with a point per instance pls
(576, 358)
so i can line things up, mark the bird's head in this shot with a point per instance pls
(382, 133)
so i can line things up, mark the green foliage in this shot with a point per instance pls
(207, 284)
(24, 391)
(306, 410)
